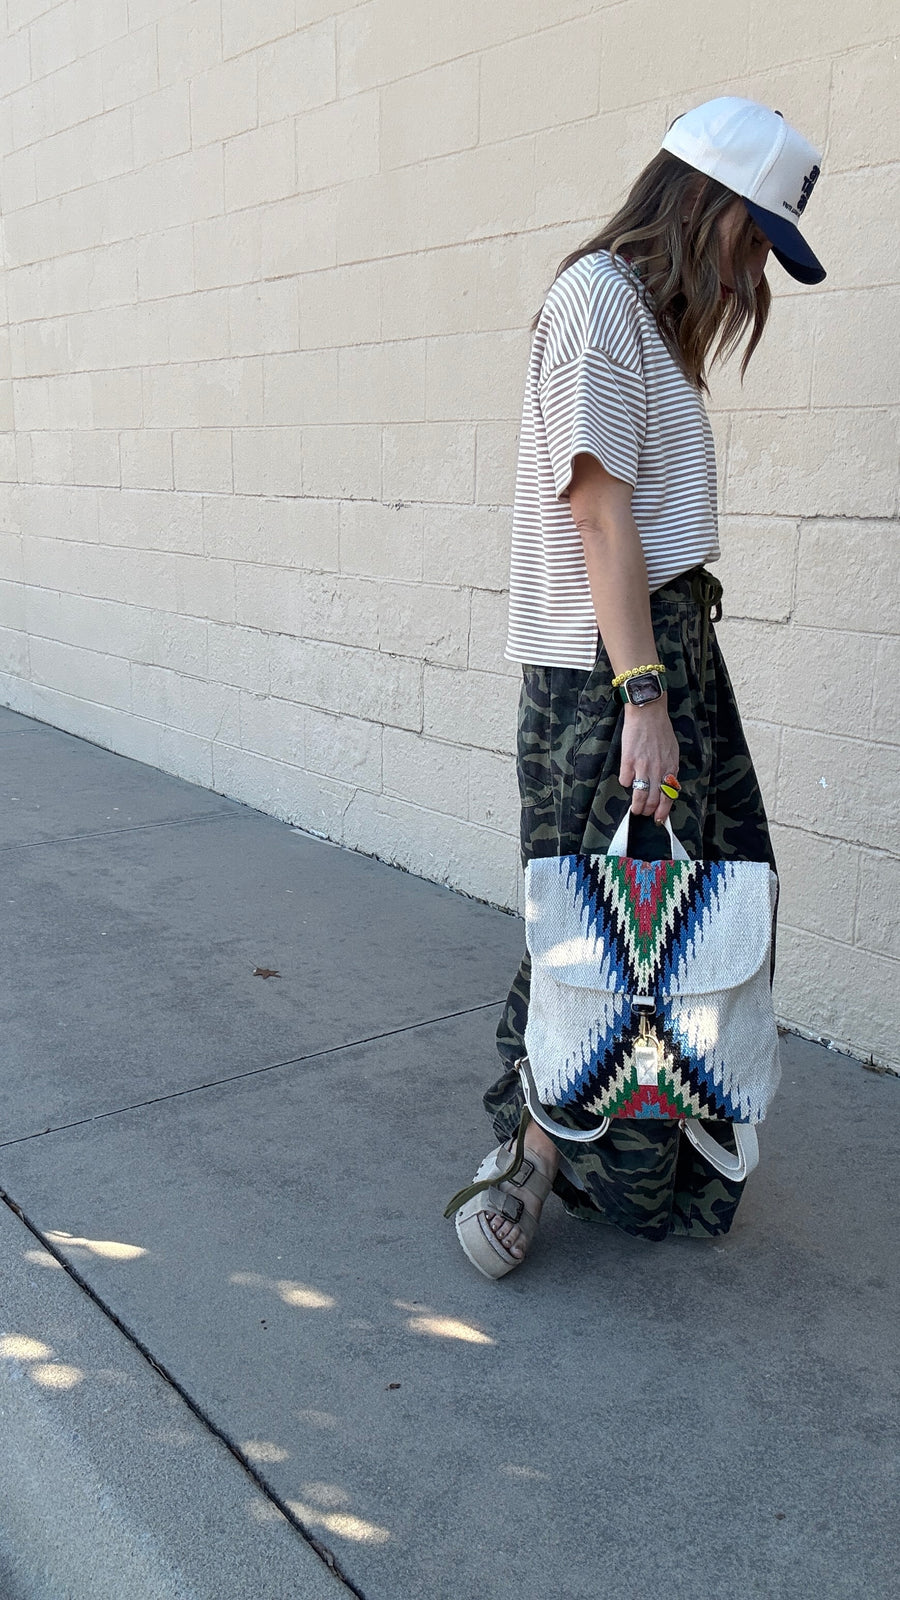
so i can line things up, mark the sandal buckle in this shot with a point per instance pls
(518, 1207)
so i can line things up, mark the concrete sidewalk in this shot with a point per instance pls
(240, 1351)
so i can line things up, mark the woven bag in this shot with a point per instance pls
(650, 993)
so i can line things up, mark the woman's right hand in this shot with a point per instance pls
(649, 750)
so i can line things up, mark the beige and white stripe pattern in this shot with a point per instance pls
(601, 381)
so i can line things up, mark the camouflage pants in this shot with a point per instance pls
(643, 1176)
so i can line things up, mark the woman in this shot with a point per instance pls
(615, 518)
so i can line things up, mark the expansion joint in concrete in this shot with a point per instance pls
(324, 1554)
(105, 833)
(254, 1072)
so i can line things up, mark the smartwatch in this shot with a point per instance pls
(641, 689)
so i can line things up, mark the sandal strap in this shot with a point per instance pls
(471, 1189)
(493, 1206)
(533, 1179)
(501, 1204)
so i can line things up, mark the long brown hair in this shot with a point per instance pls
(667, 231)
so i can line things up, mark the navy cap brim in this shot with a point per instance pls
(788, 245)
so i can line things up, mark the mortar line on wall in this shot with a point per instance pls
(839, 944)
(797, 524)
(857, 909)
(864, 848)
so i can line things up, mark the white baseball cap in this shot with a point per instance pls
(755, 153)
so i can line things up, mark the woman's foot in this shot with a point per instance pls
(543, 1153)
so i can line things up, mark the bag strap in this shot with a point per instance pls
(541, 1116)
(736, 1167)
(618, 844)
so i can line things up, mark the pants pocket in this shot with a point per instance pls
(595, 700)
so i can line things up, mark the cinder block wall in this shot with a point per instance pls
(269, 270)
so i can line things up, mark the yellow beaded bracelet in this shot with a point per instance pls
(655, 666)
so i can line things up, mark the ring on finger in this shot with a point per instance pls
(670, 786)
(641, 783)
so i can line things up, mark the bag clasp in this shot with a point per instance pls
(647, 1046)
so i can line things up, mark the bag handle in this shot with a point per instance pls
(618, 844)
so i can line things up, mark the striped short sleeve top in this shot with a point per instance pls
(601, 381)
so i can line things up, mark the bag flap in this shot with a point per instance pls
(648, 927)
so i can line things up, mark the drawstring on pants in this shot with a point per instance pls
(707, 591)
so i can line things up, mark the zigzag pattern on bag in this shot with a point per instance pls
(653, 929)
(605, 1081)
(649, 915)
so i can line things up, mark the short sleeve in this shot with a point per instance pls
(591, 407)
(591, 392)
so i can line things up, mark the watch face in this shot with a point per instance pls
(644, 688)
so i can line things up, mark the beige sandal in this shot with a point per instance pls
(492, 1194)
